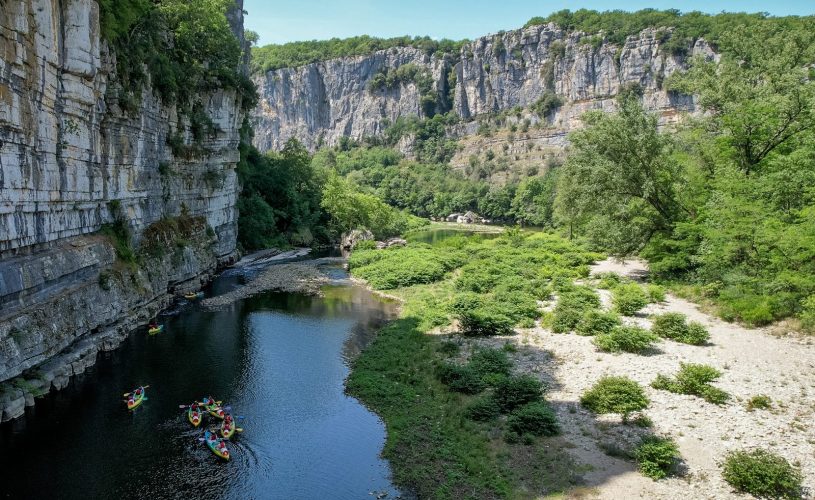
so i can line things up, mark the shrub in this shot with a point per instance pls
(693, 379)
(656, 456)
(626, 338)
(461, 378)
(759, 402)
(762, 474)
(615, 395)
(565, 319)
(512, 392)
(535, 418)
(571, 306)
(697, 334)
(491, 361)
(608, 280)
(655, 293)
(674, 326)
(595, 322)
(485, 321)
(628, 299)
(365, 245)
(483, 409)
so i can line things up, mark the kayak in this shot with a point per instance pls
(193, 296)
(213, 408)
(228, 429)
(216, 445)
(194, 416)
(216, 411)
(153, 331)
(135, 398)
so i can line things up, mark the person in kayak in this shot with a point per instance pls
(153, 325)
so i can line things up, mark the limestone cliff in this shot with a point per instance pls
(70, 161)
(321, 102)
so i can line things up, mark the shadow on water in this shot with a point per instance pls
(279, 359)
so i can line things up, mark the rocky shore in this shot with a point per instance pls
(296, 277)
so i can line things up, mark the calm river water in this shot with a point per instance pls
(279, 359)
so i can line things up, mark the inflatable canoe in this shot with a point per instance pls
(213, 407)
(135, 398)
(194, 415)
(228, 427)
(158, 329)
(216, 445)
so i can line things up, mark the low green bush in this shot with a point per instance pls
(460, 378)
(697, 334)
(615, 395)
(596, 322)
(565, 319)
(693, 379)
(608, 280)
(629, 298)
(759, 402)
(808, 314)
(403, 266)
(674, 326)
(656, 293)
(627, 339)
(485, 321)
(515, 391)
(571, 306)
(536, 418)
(489, 361)
(483, 409)
(656, 456)
(762, 474)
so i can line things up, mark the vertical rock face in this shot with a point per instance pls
(66, 150)
(321, 102)
(69, 158)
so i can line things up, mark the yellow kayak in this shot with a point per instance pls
(135, 398)
(194, 416)
(228, 427)
(158, 329)
(193, 296)
(216, 445)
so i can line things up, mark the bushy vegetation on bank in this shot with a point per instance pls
(677, 30)
(287, 199)
(724, 208)
(459, 428)
(295, 54)
(184, 48)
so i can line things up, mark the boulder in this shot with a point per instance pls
(350, 239)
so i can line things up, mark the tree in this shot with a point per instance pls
(761, 93)
(620, 179)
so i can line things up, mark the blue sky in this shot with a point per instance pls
(279, 21)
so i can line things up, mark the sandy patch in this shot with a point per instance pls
(752, 361)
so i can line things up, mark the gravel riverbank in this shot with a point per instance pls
(296, 277)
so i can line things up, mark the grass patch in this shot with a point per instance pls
(444, 420)
(759, 402)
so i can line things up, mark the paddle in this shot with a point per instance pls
(129, 393)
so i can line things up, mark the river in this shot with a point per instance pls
(280, 360)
